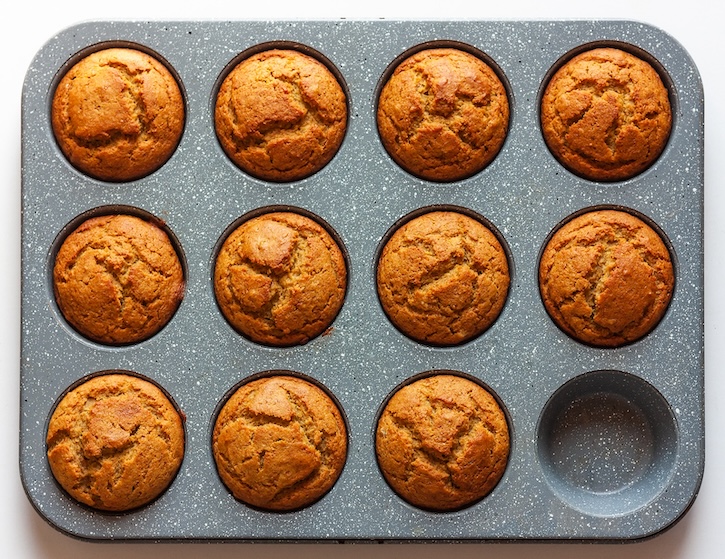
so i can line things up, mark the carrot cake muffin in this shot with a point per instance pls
(280, 115)
(118, 279)
(115, 442)
(606, 115)
(280, 279)
(118, 114)
(443, 278)
(279, 443)
(606, 278)
(443, 114)
(442, 442)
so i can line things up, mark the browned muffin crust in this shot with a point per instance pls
(279, 443)
(606, 278)
(280, 279)
(443, 115)
(443, 278)
(606, 115)
(115, 442)
(117, 279)
(280, 115)
(442, 442)
(118, 114)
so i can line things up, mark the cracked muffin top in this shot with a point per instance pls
(280, 279)
(606, 278)
(279, 443)
(115, 442)
(280, 115)
(606, 115)
(117, 279)
(443, 278)
(442, 442)
(118, 114)
(443, 114)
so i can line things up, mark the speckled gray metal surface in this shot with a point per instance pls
(629, 471)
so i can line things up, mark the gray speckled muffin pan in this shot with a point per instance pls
(607, 444)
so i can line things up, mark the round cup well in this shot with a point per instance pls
(607, 443)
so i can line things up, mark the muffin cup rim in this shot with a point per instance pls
(110, 210)
(100, 46)
(629, 48)
(267, 374)
(647, 220)
(452, 208)
(80, 381)
(412, 379)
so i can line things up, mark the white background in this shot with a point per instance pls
(28, 25)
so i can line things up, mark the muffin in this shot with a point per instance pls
(118, 114)
(606, 278)
(442, 442)
(443, 114)
(442, 278)
(117, 279)
(280, 115)
(279, 443)
(115, 442)
(606, 115)
(280, 279)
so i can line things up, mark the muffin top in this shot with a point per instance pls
(606, 278)
(442, 442)
(118, 114)
(606, 115)
(280, 115)
(443, 278)
(279, 443)
(118, 279)
(115, 442)
(443, 114)
(280, 279)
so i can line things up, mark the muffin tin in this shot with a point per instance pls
(607, 444)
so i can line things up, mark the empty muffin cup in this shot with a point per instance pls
(607, 443)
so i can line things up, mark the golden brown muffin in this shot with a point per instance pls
(443, 278)
(279, 443)
(443, 114)
(118, 114)
(606, 278)
(442, 442)
(606, 115)
(115, 442)
(280, 279)
(280, 115)
(117, 279)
